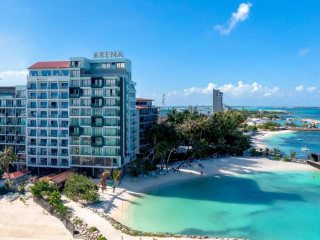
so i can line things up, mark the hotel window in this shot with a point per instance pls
(111, 132)
(85, 102)
(64, 105)
(86, 112)
(64, 95)
(43, 96)
(43, 104)
(86, 150)
(54, 133)
(46, 73)
(65, 72)
(97, 112)
(34, 73)
(110, 82)
(54, 85)
(85, 121)
(43, 86)
(74, 102)
(54, 95)
(120, 65)
(75, 83)
(106, 66)
(86, 83)
(86, 131)
(33, 104)
(97, 151)
(86, 93)
(55, 72)
(74, 112)
(64, 114)
(97, 92)
(86, 140)
(64, 85)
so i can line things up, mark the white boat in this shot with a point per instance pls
(305, 149)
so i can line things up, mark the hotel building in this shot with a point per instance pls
(81, 114)
(147, 114)
(48, 116)
(13, 122)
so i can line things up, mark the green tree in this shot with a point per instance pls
(55, 201)
(116, 175)
(293, 155)
(7, 158)
(43, 188)
(79, 187)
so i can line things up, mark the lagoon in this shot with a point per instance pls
(259, 206)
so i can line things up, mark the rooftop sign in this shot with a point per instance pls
(111, 54)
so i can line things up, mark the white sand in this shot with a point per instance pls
(29, 221)
(116, 204)
(258, 140)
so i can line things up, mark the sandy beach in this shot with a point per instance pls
(115, 204)
(29, 221)
(258, 140)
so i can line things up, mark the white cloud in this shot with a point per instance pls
(299, 88)
(239, 90)
(11, 78)
(236, 17)
(303, 51)
(311, 89)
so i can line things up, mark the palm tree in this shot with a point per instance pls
(116, 176)
(103, 179)
(293, 155)
(7, 158)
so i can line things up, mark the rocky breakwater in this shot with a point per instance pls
(132, 232)
(85, 231)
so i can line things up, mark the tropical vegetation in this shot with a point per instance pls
(7, 158)
(79, 187)
(185, 135)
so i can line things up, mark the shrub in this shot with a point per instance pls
(43, 188)
(22, 199)
(286, 159)
(55, 200)
(78, 221)
(79, 187)
(101, 238)
(93, 229)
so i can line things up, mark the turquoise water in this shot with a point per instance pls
(263, 206)
(288, 141)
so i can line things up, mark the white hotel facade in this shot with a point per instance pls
(81, 114)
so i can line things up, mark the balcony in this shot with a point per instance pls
(32, 143)
(53, 154)
(32, 153)
(53, 125)
(32, 87)
(53, 144)
(63, 116)
(53, 135)
(63, 154)
(54, 115)
(42, 116)
(43, 143)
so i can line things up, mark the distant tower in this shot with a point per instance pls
(217, 104)
(163, 101)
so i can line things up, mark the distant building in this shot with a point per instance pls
(217, 101)
(13, 122)
(146, 116)
(226, 108)
(190, 109)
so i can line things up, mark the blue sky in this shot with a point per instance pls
(257, 52)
